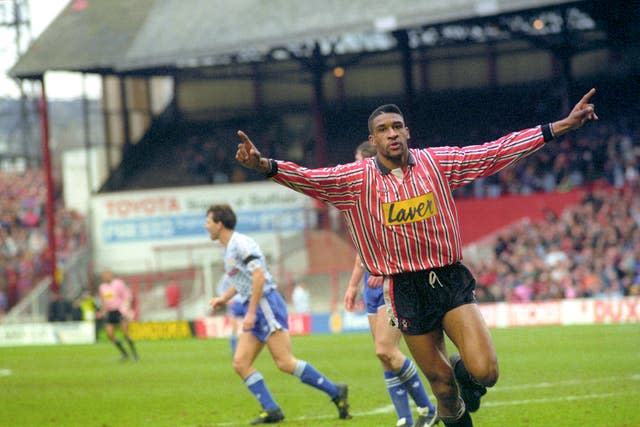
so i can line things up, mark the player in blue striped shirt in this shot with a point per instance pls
(265, 319)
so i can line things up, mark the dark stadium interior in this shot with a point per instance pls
(183, 146)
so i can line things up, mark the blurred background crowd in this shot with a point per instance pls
(145, 115)
(23, 234)
(591, 249)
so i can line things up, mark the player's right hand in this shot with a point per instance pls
(216, 302)
(247, 154)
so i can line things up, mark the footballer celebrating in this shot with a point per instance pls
(401, 215)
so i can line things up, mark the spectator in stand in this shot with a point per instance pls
(60, 309)
(4, 299)
(86, 308)
(301, 298)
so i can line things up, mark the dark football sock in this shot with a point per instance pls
(118, 344)
(461, 373)
(132, 347)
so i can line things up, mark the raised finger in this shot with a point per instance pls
(245, 139)
(585, 99)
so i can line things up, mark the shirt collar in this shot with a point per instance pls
(411, 161)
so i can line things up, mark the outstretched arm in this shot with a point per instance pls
(464, 164)
(581, 113)
(338, 185)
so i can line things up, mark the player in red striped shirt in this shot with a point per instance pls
(401, 215)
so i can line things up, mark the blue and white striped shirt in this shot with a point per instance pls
(241, 258)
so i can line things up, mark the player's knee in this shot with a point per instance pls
(383, 355)
(240, 366)
(489, 375)
(486, 373)
(285, 364)
(388, 354)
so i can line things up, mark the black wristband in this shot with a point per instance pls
(547, 132)
(274, 169)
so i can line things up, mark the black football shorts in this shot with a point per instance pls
(417, 301)
(114, 316)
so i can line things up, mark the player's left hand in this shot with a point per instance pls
(583, 111)
(375, 281)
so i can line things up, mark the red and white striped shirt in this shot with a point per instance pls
(408, 224)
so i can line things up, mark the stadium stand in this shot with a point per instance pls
(607, 154)
(201, 147)
(23, 234)
(494, 74)
(589, 250)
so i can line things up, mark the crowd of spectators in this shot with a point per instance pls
(581, 252)
(589, 250)
(24, 251)
(208, 160)
(592, 249)
(607, 152)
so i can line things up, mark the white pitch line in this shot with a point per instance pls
(551, 399)
(565, 383)
(5, 372)
(389, 408)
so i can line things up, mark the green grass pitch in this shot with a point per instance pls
(550, 376)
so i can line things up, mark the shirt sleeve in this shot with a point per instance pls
(338, 186)
(462, 165)
(249, 255)
(224, 283)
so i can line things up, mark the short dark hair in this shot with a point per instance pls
(223, 213)
(386, 108)
(367, 149)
